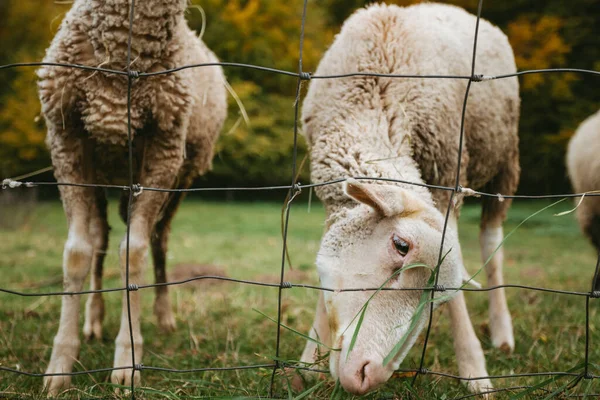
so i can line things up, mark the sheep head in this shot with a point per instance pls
(385, 240)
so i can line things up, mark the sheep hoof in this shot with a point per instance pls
(295, 379)
(481, 386)
(503, 341)
(164, 314)
(94, 314)
(166, 322)
(54, 385)
(501, 332)
(298, 379)
(505, 348)
(92, 330)
(122, 377)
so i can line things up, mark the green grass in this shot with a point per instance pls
(217, 326)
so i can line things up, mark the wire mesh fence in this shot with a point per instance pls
(292, 190)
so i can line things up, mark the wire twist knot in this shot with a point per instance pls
(467, 191)
(305, 76)
(137, 189)
(286, 285)
(439, 288)
(9, 183)
(595, 294)
(587, 375)
(297, 187)
(482, 78)
(423, 371)
(132, 287)
(138, 367)
(133, 74)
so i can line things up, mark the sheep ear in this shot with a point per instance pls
(387, 200)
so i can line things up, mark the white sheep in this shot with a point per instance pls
(407, 129)
(175, 121)
(583, 166)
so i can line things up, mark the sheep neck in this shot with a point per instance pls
(369, 156)
(154, 25)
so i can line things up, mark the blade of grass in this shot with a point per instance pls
(560, 214)
(564, 387)
(545, 382)
(408, 385)
(287, 361)
(286, 204)
(309, 391)
(588, 389)
(289, 386)
(335, 394)
(362, 311)
(296, 332)
(447, 297)
(531, 390)
(509, 234)
(358, 325)
(416, 316)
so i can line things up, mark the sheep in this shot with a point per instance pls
(175, 121)
(583, 167)
(407, 129)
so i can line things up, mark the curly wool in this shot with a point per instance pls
(95, 33)
(409, 129)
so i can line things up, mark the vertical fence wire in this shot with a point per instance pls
(293, 190)
(594, 293)
(130, 77)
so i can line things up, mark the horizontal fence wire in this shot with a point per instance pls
(423, 371)
(9, 183)
(295, 188)
(303, 75)
(289, 285)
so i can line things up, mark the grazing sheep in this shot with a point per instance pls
(175, 121)
(583, 165)
(407, 129)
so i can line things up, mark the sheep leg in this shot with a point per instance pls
(490, 237)
(501, 329)
(469, 354)
(69, 162)
(313, 352)
(162, 162)
(467, 347)
(320, 332)
(94, 307)
(162, 304)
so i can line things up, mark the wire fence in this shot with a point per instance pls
(292, 191)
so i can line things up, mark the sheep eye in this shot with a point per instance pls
(401, 246)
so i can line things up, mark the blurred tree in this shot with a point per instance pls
(555, 35)
(265, 33)
(25, 31)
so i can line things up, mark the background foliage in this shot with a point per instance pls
(544, 34)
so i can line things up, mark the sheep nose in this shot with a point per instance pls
(366, 376)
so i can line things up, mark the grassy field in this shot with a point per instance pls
(218, 327)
